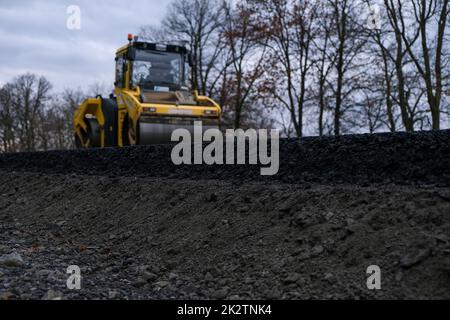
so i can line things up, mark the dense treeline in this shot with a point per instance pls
(308, 67)
(33, 118)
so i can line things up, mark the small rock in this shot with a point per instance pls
(211, 198)
(286, 206)
(56, 276)
(113, 294)
(209, 276)
(243, 209)
(51, 275)
(171, 264)
(317, 249)
(329, 215)
(140, 282)
(190, 288)
(328, 276)
(273, 294)
(149, 276)
(7, 295)
(61, 223)
(26, 296)
(220, 294)
(412, 259)
(53, 295)
(162, 284)
(291, 278)
(173, 276)
(11, 260)
(172, 251)
(44, 273)
(444, 265)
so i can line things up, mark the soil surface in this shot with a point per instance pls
(140, 227)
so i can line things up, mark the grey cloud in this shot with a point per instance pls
(34, 38)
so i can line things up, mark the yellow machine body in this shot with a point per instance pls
(143, 111)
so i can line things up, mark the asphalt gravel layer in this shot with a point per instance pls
(140, 227)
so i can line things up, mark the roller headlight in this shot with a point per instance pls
(210, 112)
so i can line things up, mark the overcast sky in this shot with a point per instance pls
(34, 38)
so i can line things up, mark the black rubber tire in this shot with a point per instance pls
(125, 139)
(138, 133)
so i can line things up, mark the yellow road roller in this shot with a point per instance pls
(151, 99)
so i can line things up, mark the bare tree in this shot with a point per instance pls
(7, 123)
(32, 118)
(427, 55)
(98, 88)
(289, 27)
(431, 72)
(381, 48)
(29, 94)
(347, 43)
(324, 62)
(64, 109)
(197, 22)
(153, 34)
(245, 58)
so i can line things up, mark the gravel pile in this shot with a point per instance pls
(401, 158)
(140, 228)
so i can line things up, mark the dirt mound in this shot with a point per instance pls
(140, 227)
(158, 238)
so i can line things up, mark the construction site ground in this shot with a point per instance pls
(140, 227)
